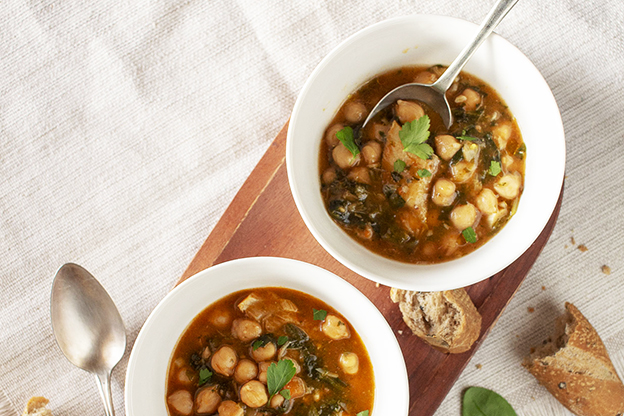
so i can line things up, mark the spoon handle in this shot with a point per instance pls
(103, 382)
(492, 20)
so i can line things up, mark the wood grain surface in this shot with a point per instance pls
(263, 220)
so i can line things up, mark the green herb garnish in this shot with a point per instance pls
(204, 376)
(495, 168)
(285, 394)
(399, 166)
(469, 235)
(423, 173)
(483, 402)
(467, 138)
(413, 136)
(319, 314)
(282, 340)
(363, 413)
(278, 375)
(257, 344)
(346, 138)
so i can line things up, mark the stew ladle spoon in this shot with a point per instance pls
(87, 326)
(434, 95)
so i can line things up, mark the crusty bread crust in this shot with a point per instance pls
(468, 319)
(36, 406)
(575, 368)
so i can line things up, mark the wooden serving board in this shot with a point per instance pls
(263, 220)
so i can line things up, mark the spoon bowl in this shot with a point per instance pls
(434, 95)
(87, 326)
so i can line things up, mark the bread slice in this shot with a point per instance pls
(575, 367)
(36, 406)
(447, 320)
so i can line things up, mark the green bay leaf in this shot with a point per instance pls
(483, 402)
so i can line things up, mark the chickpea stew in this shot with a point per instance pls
(408, 188)
(270, 351)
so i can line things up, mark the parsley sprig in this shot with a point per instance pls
(413, 136)
(346, 138)
(278, 375)
(319, 314)
(204, 376)
(495, 168)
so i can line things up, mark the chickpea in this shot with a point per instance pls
(443, 193)
(487, 202)
(501, 134)
(246, 329)
(221, 319)
(262, 370)
(360, 175)
(181, 401)
(355, 112)
(425, 77)
(463, 170)
(446, 146)
(344, 158)
(349, 362)
(254, 394)
(264, 353)
(277, 401)
(207, 400)
(230, 408)
(464, 216)
(328, 176)
(330, 135)
(507, 161)
(224, 361)
(185, 375)
(245, 370)
(335, 328)
(470, 99)
(371, 152)
(297, 387)
(206, 353)
(470, 151)
(408, 111)
(508, 185)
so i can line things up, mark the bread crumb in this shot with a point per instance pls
(517, 336)
(566, 246)
(479, 366)
(572, 241)
(530, 309)
(400, 331)
(543, 287)
(377, 284)
(582, 247)
(606, 269)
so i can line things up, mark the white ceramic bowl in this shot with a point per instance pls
(147, 368)
(428, 40)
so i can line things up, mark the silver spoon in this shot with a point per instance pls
(87, 326)
(434, 95)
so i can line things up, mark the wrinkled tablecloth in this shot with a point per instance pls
(127, 127)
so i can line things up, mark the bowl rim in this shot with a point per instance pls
(287, 272)
(549, 207)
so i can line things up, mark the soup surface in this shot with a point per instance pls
(270, 351)
(408, 188)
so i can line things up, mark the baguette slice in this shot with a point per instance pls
(448, 320)
(575, 367)
(36, 406)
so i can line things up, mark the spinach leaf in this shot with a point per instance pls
(483, 402)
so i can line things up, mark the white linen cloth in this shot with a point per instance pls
(127, 127)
